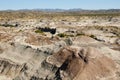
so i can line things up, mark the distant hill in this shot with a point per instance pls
(68, 10)
(38, 13)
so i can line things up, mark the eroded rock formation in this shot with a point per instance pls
(82, 48)
(81, 64)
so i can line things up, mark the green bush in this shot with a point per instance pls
(92, 36)
(80, 34)
(20, 30)
(7, 25)
(38, 31)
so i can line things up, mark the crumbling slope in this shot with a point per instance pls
(82, 64)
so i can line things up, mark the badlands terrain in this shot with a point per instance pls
(37, 45)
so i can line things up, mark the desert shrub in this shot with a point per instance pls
(47, 29)
(70, 35)
(61, 35)
(38, 31)
(8, 25)
(80, 34)
(93, 36)
(64, 35)
(20, 30)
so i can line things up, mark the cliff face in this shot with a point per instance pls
(81, 48)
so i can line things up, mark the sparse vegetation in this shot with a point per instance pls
(80, 34)
(47, 29)
(93, 36)
(61, 35)
(36, 14)
(38, 31)
(20, 30)
(79, 38)
(8, 25)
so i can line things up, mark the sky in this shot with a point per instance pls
(60, 4)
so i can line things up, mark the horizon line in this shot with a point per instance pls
(55, 9)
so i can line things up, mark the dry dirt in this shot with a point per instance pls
(80, 49)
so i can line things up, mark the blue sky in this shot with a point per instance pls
(61, 4)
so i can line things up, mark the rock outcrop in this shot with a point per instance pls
(81, 64)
